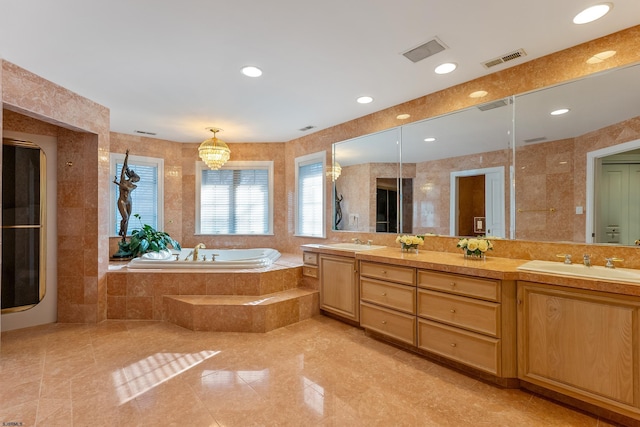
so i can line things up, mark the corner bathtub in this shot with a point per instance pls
(224, 258)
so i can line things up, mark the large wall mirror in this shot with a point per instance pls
(507, 168)
(367, 185)
(447, 175)
(576, 175)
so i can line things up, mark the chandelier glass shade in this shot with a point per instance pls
(334, 171)
(213, 151)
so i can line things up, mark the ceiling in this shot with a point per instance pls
(173, 68)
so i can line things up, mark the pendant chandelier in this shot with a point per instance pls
(334, 171)
(213, 151)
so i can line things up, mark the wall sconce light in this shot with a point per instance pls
(213, 151)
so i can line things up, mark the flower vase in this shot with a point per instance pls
(409, 248)
(473, 255)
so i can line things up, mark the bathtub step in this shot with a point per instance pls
(241, 313)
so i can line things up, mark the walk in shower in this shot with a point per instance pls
(23, 225)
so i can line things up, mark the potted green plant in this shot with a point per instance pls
(148, 239)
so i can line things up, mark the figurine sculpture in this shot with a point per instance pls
(128, 178)
(338, 217)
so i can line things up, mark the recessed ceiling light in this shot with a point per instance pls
(592, 13)
(403, 116)
(429, 139)
(559, 112)
(445, 68)
(251, 71)
(478, 94)
(364, 100)
(599, 57)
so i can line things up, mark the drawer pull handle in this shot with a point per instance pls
(453, 284)
(453, 344)
(383, 272)
(453, 310)
(384, 322)
(384, 294)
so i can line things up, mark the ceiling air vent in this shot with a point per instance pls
(538, 139)
(504, 58)
(425, 50)
(144, 132)
(306, 128)
(495, 104)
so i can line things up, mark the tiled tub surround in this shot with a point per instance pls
(576, 339)
(247, 300)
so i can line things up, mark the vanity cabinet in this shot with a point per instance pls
(339, 293)
(584, 344)
(310, 264)
(388, 300)
(468, 319)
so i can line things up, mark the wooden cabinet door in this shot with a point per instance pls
(338, 286)
(584, 344)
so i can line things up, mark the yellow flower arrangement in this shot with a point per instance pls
(410, 242)
(475, 247)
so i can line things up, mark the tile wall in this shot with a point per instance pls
(82, 128)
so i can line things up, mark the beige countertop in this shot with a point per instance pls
(490, 267)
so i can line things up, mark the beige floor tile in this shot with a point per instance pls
(318, 372)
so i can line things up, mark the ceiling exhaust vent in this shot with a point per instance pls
(495, 104)
(306, 128)
(144, 132)
(504, 58)
(425, 50)
(538, 139)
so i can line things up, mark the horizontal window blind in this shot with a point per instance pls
(310, 199)
(234, 201)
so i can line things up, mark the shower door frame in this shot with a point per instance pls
(42, 267)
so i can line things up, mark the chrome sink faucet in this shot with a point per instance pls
(610, 262)
(587, 260)
(567, 258)
(357, 241)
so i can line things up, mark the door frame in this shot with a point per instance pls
(594, 164)
(453, 196)
(46, 311)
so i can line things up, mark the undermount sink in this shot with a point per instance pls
(579, 270)
(352, 246)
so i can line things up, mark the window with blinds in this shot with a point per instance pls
(146, 199)
(236, 199)
(310, 206)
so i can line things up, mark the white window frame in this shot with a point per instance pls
(320, 156)
(235, 165)
(114, 159)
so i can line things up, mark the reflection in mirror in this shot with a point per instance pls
(462, 162)
(567, 186)
(388, 203)
(363, 161)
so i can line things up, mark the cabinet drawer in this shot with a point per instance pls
(463, 285)
(393, 273)
(399, 297)
(466, 347)
(309, 271)
(388, 322)
(310, 258)
(477, 315)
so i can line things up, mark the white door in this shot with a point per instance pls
(494, 203)
(619, 204)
